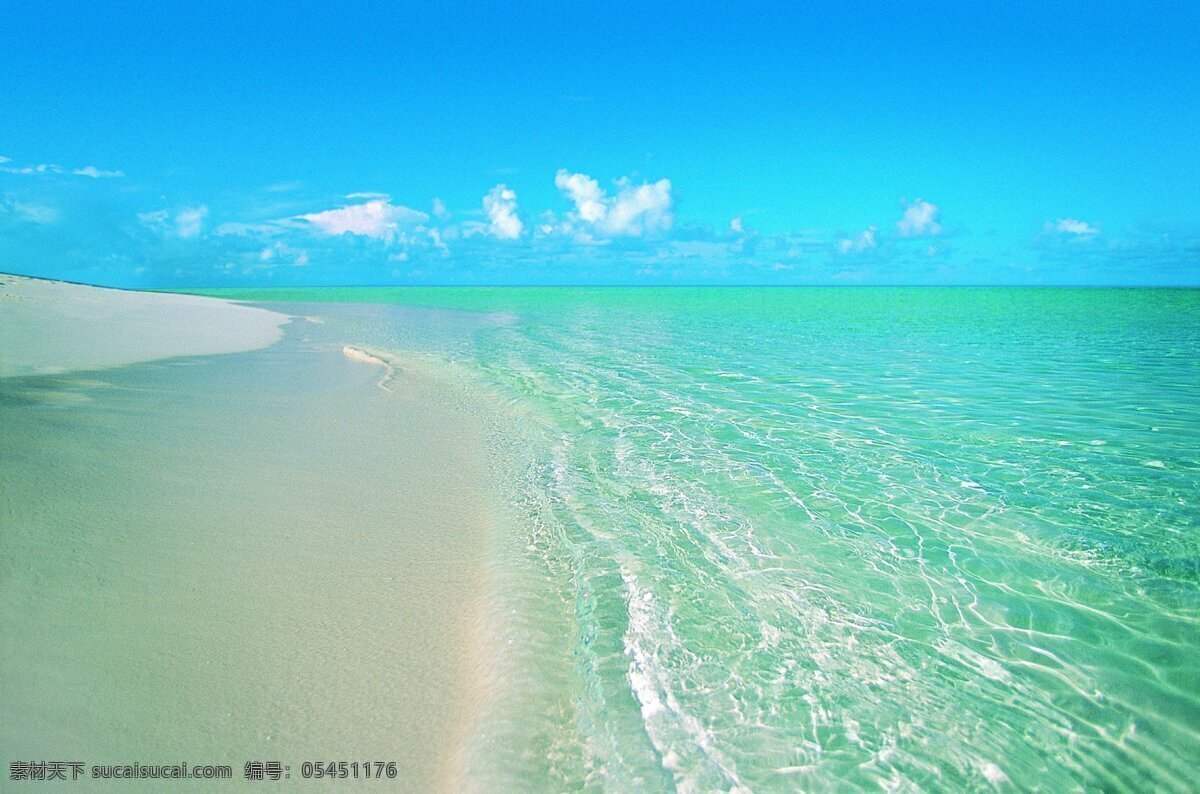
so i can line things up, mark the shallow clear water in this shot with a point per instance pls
(827, 538)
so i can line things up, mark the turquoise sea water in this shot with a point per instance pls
(823, 539)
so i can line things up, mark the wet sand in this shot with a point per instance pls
(257, 556)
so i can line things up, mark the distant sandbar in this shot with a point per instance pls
(49, 327)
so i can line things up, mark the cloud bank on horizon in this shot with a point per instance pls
(702, 145)
(625, 233)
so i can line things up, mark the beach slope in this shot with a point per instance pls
(49, 327)
(253, 556)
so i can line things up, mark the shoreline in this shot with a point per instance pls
(51, 327)
(271, 525)
(527, 543)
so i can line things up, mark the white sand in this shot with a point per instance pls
(48, 327)
(261, 557)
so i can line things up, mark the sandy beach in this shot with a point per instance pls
(509, 398)
(239, 549)
(527, 539)
(52, 327)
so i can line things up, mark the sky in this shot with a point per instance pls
(210, 144)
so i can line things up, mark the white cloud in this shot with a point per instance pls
(265, 229)
(920, 218)
(190, 220)
(96, 173)
(33, 213)
(864, 241)
(439, 210)
(156, 220)
(500, 204)
(370, 196)
(1074, 227)
(635, 210)
(640, 209)
(42, 168)
(187, 222)
(51, 168)
(437, 243)
(379, 219)
(735, 226)
(585, 192)
(282, 251)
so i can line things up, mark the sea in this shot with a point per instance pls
(826, 539)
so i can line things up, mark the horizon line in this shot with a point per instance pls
(618, 285)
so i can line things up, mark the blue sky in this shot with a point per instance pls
(225, 144)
